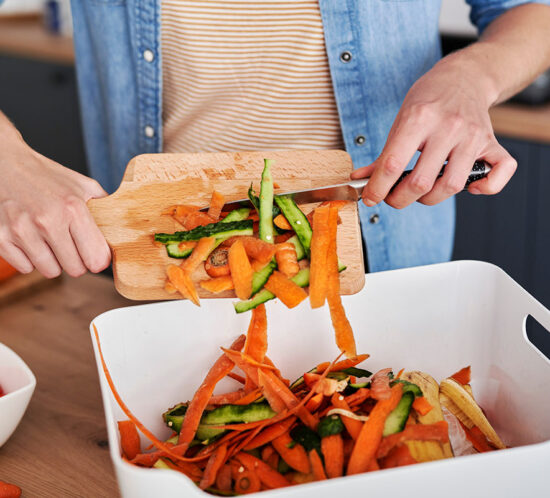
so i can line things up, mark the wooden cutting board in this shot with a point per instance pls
(152, 182)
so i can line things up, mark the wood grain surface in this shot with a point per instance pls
(152, 182)
(60, 449)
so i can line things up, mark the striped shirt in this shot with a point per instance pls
(246, 75)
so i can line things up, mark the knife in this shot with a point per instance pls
(352, 190)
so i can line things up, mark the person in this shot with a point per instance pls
(210, 75)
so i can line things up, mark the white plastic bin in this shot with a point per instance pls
(435, 318)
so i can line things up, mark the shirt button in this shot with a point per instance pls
(345, 56)
(374, 219)
(148, 55)
(360, 140)
(149, 131)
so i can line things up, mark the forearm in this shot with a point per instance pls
(512, 52)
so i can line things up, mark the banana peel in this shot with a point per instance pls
(426, 451)
(463, 406)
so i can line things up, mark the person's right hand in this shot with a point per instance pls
(44, 221)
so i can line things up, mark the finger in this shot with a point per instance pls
(503, 167)
(423, 176)
(16, 258)
(66, 253)
(456, 174)
(93, 190)
(364, 172)
(90, 242)
(399, 150)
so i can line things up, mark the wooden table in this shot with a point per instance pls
(60, 448)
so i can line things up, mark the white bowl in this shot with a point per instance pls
(18, 383)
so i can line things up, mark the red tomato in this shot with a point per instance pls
(6, 270)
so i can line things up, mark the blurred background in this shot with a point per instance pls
(511, 230)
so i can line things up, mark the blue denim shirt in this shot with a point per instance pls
(391, 42)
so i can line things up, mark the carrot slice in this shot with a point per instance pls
(258, 249)
(318, 280)
(286, 290)
(195, 219)
(332, 448)
(353, 426)
(314, 403)
(438, 431)
(286, 258)
(293, 454)
(217, 264)
(216, 460)
(223, 479)
(216, 205)
(181, 280)
(422, 406)
(203, 248)
(281, 222)
(241, 271)
(371, 433)
(219, 370)
(342, 328)
(129, 439)
(342, 365)
(317, 466)
(170, 287)
(256, 337)
(180, 211)
(246, 482)
(462, 376)
(218, 284)
(270, 433)
(362, 394)
(268, 476)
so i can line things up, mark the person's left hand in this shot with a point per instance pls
(445, 115)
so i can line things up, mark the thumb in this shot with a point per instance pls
(93, 190)
(363, 172)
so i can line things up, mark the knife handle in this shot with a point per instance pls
(479, 170)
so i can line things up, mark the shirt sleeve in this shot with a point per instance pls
(483, 12)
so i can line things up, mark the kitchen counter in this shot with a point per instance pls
(28, 38)
(60, 448)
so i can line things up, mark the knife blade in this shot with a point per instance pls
(352, 190)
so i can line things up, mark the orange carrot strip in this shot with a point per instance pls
(129, 439)
(279, 239)
(258, 249)
(267, 452)
(337, 203)
(478, 439)
(223, 479)
(191, 470)
(258, 265)
(314, 403)
(332, 448)
(358, 396)
(270, 433)
(317, 466)
(342, 365)
(293, 454)
(216, 205)
(422, 406)
(249, 397)
(373, 465)
(281, 222)
(400, 373)
(227, 398)
(241, 271)
(270, 393)
(256, 337)
(352, 426)
(371, 433)
(218, 284)
(318, 280)
(268, 476)
(194, 219)
(286, 258)
(157, 442)
(203, 248)
(398, 457)
(286, 290)
(463, 375)
(213, 465)
(417, 432)
(170, 287)
(219, 370)
(181, 280)
(342, 328)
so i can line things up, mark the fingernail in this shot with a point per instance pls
(475, 191)
(369, 202)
